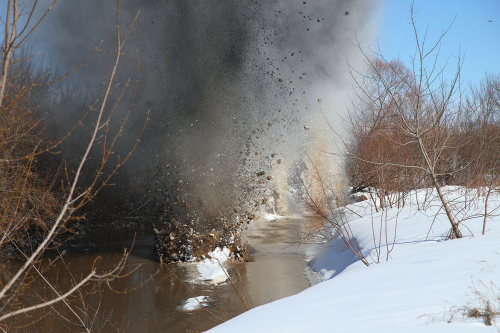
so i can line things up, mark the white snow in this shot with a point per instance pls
(194, 303)
(211, 269)
(419, 288)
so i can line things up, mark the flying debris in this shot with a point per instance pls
(346, 13)
(490, 21)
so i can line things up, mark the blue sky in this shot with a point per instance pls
(471, 33)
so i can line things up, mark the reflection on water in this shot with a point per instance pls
(275, 271)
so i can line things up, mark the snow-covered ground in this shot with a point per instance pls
(422, 285)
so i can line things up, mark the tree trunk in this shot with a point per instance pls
(454, 225)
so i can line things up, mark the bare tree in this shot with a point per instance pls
(75, 198)
(414, 112)
(485, 100)
(408, 128)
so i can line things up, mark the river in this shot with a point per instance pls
(149, 299)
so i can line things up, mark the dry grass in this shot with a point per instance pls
(483, 301)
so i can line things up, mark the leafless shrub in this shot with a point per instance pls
(24, 196)
(482, 302)
(28, 199)
(410, 129)
(330, 206)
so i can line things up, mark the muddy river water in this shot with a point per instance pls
(276, 269)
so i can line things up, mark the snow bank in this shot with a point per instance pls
(420, 288)
(211, 269)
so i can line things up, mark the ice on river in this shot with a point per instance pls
(211, 269)
(194, 303)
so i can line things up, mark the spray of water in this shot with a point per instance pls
(233, 88)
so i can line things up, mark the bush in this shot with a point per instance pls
(28, 200)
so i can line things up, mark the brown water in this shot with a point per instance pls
(274, 271)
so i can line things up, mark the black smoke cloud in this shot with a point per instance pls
(229, 84)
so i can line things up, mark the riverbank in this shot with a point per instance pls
(417, 280)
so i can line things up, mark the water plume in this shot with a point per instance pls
(230, 86)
